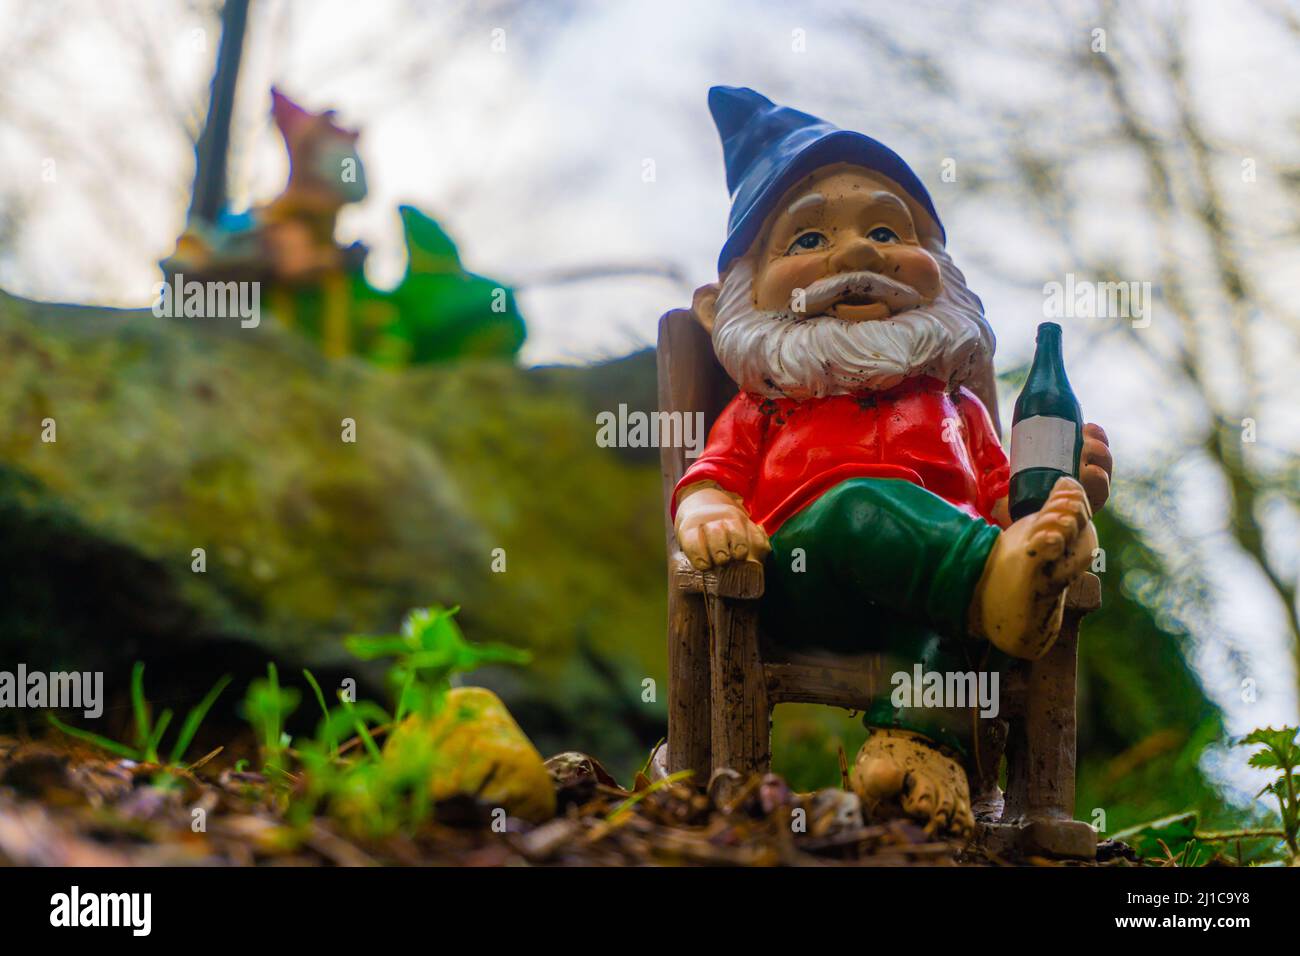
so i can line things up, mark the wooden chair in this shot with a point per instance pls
(726, 675)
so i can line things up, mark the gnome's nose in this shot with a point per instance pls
(858, 256)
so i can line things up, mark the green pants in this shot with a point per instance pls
(882, 565)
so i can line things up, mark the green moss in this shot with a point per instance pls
(183, 434)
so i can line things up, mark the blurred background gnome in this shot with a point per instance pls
(860, 460)
(439, 312)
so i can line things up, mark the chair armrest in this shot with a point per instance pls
(741, 580)
(1084, 594)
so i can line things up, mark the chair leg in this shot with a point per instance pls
(1050, 730)
(987, 799)
(689, 718)
(1041, 757)
(742, 717)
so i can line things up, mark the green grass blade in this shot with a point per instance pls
(195, 717)
(328, 730)
(139, 704)
(112, 746)
(402, 697)
(151, 746)
(371, 747)
(273, 733)
(624, 808)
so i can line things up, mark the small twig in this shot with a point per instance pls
(356, 741)
(204, 759)
(626, 806)
(1225, 835)
(292, 777)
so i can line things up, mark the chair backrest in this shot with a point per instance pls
(690, 381)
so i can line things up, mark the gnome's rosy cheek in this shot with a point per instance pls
(776, 279)
(916, 267)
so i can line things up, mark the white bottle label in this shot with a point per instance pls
(1043, 442)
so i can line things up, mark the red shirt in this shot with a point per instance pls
(780, 455)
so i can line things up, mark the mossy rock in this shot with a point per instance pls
(183, 434)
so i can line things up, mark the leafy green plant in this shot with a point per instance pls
(1281, 752)
(266, 705)
(1179, 840)
(148, 733)
(427, 653)
(343, 767)
(1162, 839)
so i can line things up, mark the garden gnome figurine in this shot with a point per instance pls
(859, 460)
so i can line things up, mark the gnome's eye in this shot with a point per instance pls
(809, 240)
(882, 234)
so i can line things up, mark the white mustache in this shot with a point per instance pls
(899, 296)
(781, 353)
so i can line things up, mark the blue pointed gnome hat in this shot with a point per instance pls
(768, 148)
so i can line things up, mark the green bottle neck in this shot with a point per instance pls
(1049, 361)
(1047, 373)
(1047, 389)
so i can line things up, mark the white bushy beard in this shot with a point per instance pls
(783, 354)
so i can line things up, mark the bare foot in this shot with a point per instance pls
(1020, 598)
(899, 768)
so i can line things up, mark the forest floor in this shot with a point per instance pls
(65, 804)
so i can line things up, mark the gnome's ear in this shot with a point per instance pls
(704, 304)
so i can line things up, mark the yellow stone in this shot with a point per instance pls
(481, 752)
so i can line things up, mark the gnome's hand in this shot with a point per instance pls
(713, 528)
(1095, 465)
